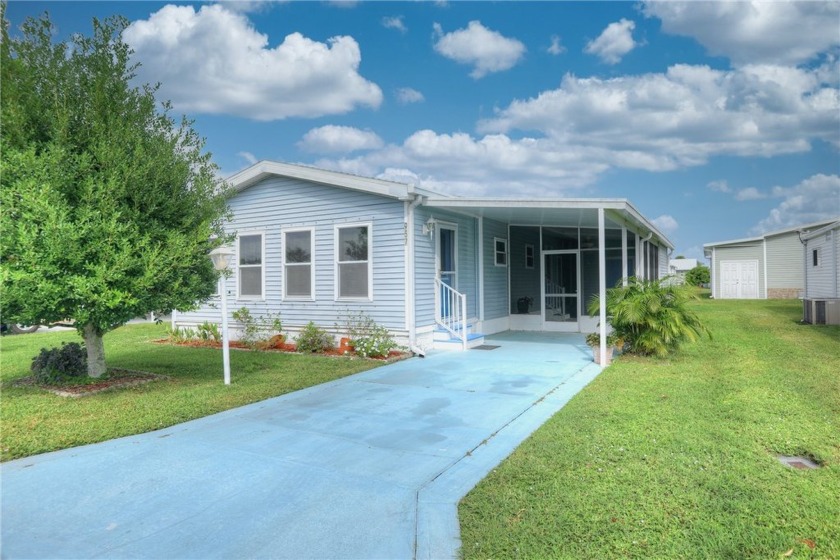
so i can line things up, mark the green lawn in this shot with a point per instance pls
(35, 421)
(675, 458)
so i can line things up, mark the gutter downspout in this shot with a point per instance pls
(410, 309)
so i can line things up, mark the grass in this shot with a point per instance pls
(675, 458)
(35, 421)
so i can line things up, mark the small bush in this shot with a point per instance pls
(60, 364)
(369, 339)
(653, 317)
(209, 332)
(256, 330)
(179, 335)
(314, 339)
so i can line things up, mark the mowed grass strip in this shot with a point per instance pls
(35, 421)
(676, 458)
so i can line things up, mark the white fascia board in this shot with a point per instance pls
(821, 231)
(263, 169)
(537, 203)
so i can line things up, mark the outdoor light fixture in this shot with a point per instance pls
(429, 227)
(221, 258)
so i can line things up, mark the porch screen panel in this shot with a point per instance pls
(525, 282)
(589, 262)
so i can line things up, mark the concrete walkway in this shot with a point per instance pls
(370, 466)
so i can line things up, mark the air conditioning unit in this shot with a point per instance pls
(821, 311)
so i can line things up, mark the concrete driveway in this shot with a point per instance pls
(370, 466)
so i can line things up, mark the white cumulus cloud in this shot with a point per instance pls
(686, 115)
(614, 42)
(486, 50)
(719, 186)
(394, 22)
(214, 61)
(749, 193)
(666, 224)
(812, 200)
(331, 138)
(555, 47)
(408, 95)
(778, 32)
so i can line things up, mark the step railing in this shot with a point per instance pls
(451, 311)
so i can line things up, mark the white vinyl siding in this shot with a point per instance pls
(746, 252)
(298, 264)
(496, 278)
(250, 265)
(822, 279)
(353, 262)
(784, 262)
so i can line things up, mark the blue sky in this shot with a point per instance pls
(718, 120)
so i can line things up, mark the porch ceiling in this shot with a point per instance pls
(563, 212)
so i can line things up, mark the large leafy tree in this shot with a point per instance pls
(698, 275)
(109, 206)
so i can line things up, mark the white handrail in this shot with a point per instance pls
(451, 311)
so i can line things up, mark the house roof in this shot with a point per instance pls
(821, 231)
(749, 240)
(544, 211)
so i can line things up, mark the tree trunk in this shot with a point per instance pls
(95, 351)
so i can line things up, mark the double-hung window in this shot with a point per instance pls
(251, 266)
(353, 261)
(298, 268)
(500, 250)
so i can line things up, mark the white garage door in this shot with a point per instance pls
(739, 279)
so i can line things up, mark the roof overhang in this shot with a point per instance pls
(821, 231)
(266, 169)
(571, 212)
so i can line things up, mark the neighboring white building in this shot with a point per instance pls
(769, 266)
(678, 267)
(822, 275)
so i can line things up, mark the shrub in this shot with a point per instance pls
(651, 316)
(60, 363)
(180, 335)
(256, 330)
(209, 332)
(314, 339)
(369, 339)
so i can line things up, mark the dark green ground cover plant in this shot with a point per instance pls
(36, 421)
(676, 457)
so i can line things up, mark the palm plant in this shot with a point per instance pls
(651, 316)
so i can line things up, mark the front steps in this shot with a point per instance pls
(443, 339)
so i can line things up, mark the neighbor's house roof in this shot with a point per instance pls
(543, 211)
(707, 247)
(821, 231)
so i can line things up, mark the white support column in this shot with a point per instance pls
(602, 286)
(623, 256)
(481, 266)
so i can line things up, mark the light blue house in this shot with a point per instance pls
(435, 270)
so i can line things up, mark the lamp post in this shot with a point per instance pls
(221, 259)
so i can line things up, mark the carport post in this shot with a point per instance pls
(602, 286)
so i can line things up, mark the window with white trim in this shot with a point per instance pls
(529, 255)
(353, 262)
(298, 268)
(816, 257)
(250, 267)
(500, 249)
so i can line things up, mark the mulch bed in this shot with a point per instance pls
(278, 346)
(116, 379)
